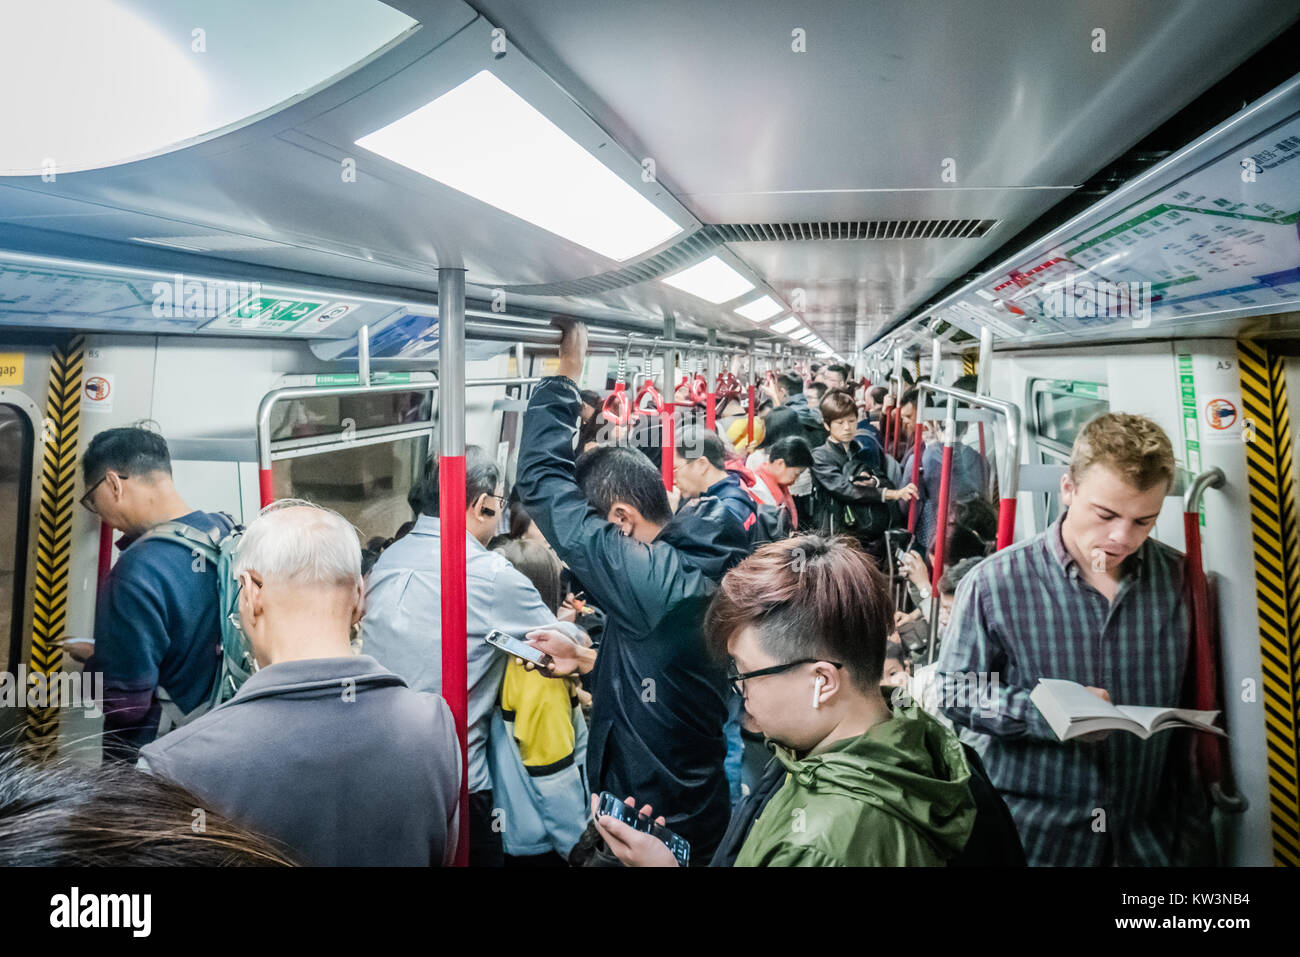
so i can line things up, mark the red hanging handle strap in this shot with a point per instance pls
(617, 408)
(648, 391)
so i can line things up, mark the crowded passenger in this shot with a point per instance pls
(402, 628)
(788, 392)
(700, 468)
(782, 466)
(1094, 600)
(658, 697)
(538, 740)
(158, 619)
(969, 472)
(804, 623)
(270, 757)
(853, 490)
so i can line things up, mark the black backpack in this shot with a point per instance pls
(771, 524)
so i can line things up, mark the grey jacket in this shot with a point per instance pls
(402, 627)
(335, 758)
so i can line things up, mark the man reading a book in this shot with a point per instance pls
(1096, 601)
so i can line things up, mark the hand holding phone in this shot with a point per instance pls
(642, 839)
(514, 646)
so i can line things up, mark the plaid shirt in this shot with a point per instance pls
(1026, 613)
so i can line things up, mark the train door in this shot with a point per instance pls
(19, 418)
(1057, 410)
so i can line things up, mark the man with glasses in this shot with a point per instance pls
(157, 619)
(852, 782)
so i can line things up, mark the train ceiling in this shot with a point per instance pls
(848, 160)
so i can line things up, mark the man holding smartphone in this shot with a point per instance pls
(659, 698)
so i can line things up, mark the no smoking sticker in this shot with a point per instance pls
(1220, 414)
(97, 393)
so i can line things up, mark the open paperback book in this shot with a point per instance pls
(1072, 710)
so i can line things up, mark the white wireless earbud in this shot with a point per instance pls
(817, 691)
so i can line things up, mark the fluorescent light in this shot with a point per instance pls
(712, 280)
(785, 325)
(799, 331)
(809, 336)
(523, 164)
(760, 310)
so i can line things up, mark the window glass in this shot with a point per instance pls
(367, 484)
(329, 415)
(1060, 416)
(15, 474)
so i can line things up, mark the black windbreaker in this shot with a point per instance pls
(659, 699)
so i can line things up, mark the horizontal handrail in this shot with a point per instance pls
(1212, 478)
(1009, 481)
(315, 392)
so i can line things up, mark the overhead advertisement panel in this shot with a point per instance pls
(409, 337)
(1223, 238)
(43, 292)
(49, 296)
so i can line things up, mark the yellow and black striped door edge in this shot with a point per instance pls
(968, 360)
(59, 434)
(1270, 471)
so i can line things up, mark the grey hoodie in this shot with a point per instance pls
(336, 758)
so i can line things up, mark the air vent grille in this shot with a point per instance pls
(696, 246)
(209, 244)
(862, 230)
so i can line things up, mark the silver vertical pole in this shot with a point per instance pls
(451, 360)
(936, 357)
(363, 356)
(521, 372)
(984, 367)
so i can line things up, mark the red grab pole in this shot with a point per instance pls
(1203, 655)
(266, 486)
(1006, 522)
(711, 412)
(451, 510)
(918, 449)
(667, 445)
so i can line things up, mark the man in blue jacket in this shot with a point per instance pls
(700, 469)
(659, 698)
(157, 618)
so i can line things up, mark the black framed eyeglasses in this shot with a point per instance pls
(736, 679)
(87, 500)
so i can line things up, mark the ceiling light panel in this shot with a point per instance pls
(760, 310)
(785, 325)
(712, 280)
(525, 166)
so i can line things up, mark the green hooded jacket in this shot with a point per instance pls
(895, 796)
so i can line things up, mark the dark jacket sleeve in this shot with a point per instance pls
(828, 472)
(131, 638)
(628, 580)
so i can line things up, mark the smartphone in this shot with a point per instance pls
(513, 646)
(615, 808)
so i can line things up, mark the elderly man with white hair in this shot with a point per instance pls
(325, 751)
